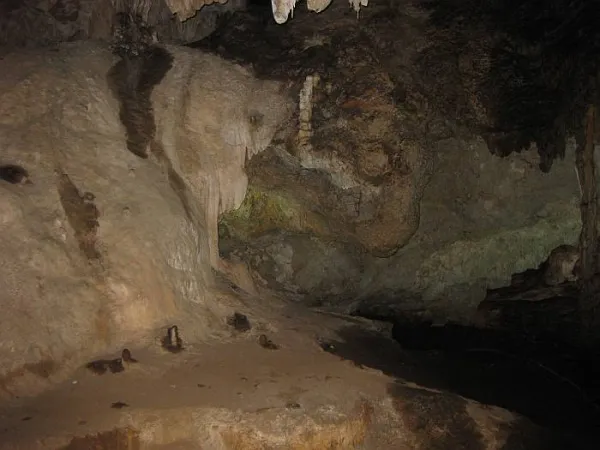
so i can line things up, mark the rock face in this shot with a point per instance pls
(482, 219)
(103, 246)
(374, 166)
(354, 178)
(341, 187)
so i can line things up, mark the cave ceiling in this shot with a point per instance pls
(282, 9)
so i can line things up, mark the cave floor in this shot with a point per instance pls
(304, 395)
(168, 394)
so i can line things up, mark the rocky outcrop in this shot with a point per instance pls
(375, 166)
(482, 219)
(354, 177)
(102, 246)
(344, 184)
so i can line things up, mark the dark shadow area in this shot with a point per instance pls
(14, 174)
(82, 215)
(523, 71)
(543, 313)
(491, 367)
(132, 79)
(263, 6)
(443, 421)
(253, 39)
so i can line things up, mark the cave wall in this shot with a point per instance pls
(480, 222)
(32, 23)
(374, 164)
(483, 218)
(101, 247)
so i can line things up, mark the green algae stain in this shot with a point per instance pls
(263, 211)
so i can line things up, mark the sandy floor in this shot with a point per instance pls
(296, 380)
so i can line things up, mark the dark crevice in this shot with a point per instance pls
(132, 79)
(529, 67)
(82, 216)
(14, 174)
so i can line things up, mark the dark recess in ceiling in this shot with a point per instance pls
(540, 71)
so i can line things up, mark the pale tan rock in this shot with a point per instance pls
(149, 266)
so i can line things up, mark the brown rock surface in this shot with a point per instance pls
(384, 167)
(30, 23)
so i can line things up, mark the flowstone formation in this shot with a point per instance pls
(108, 245)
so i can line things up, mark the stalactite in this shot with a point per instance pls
(283, 9)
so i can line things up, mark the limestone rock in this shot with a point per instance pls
(100, 249)
(349, 173)
(302, 265)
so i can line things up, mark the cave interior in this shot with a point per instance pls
(402, 190)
